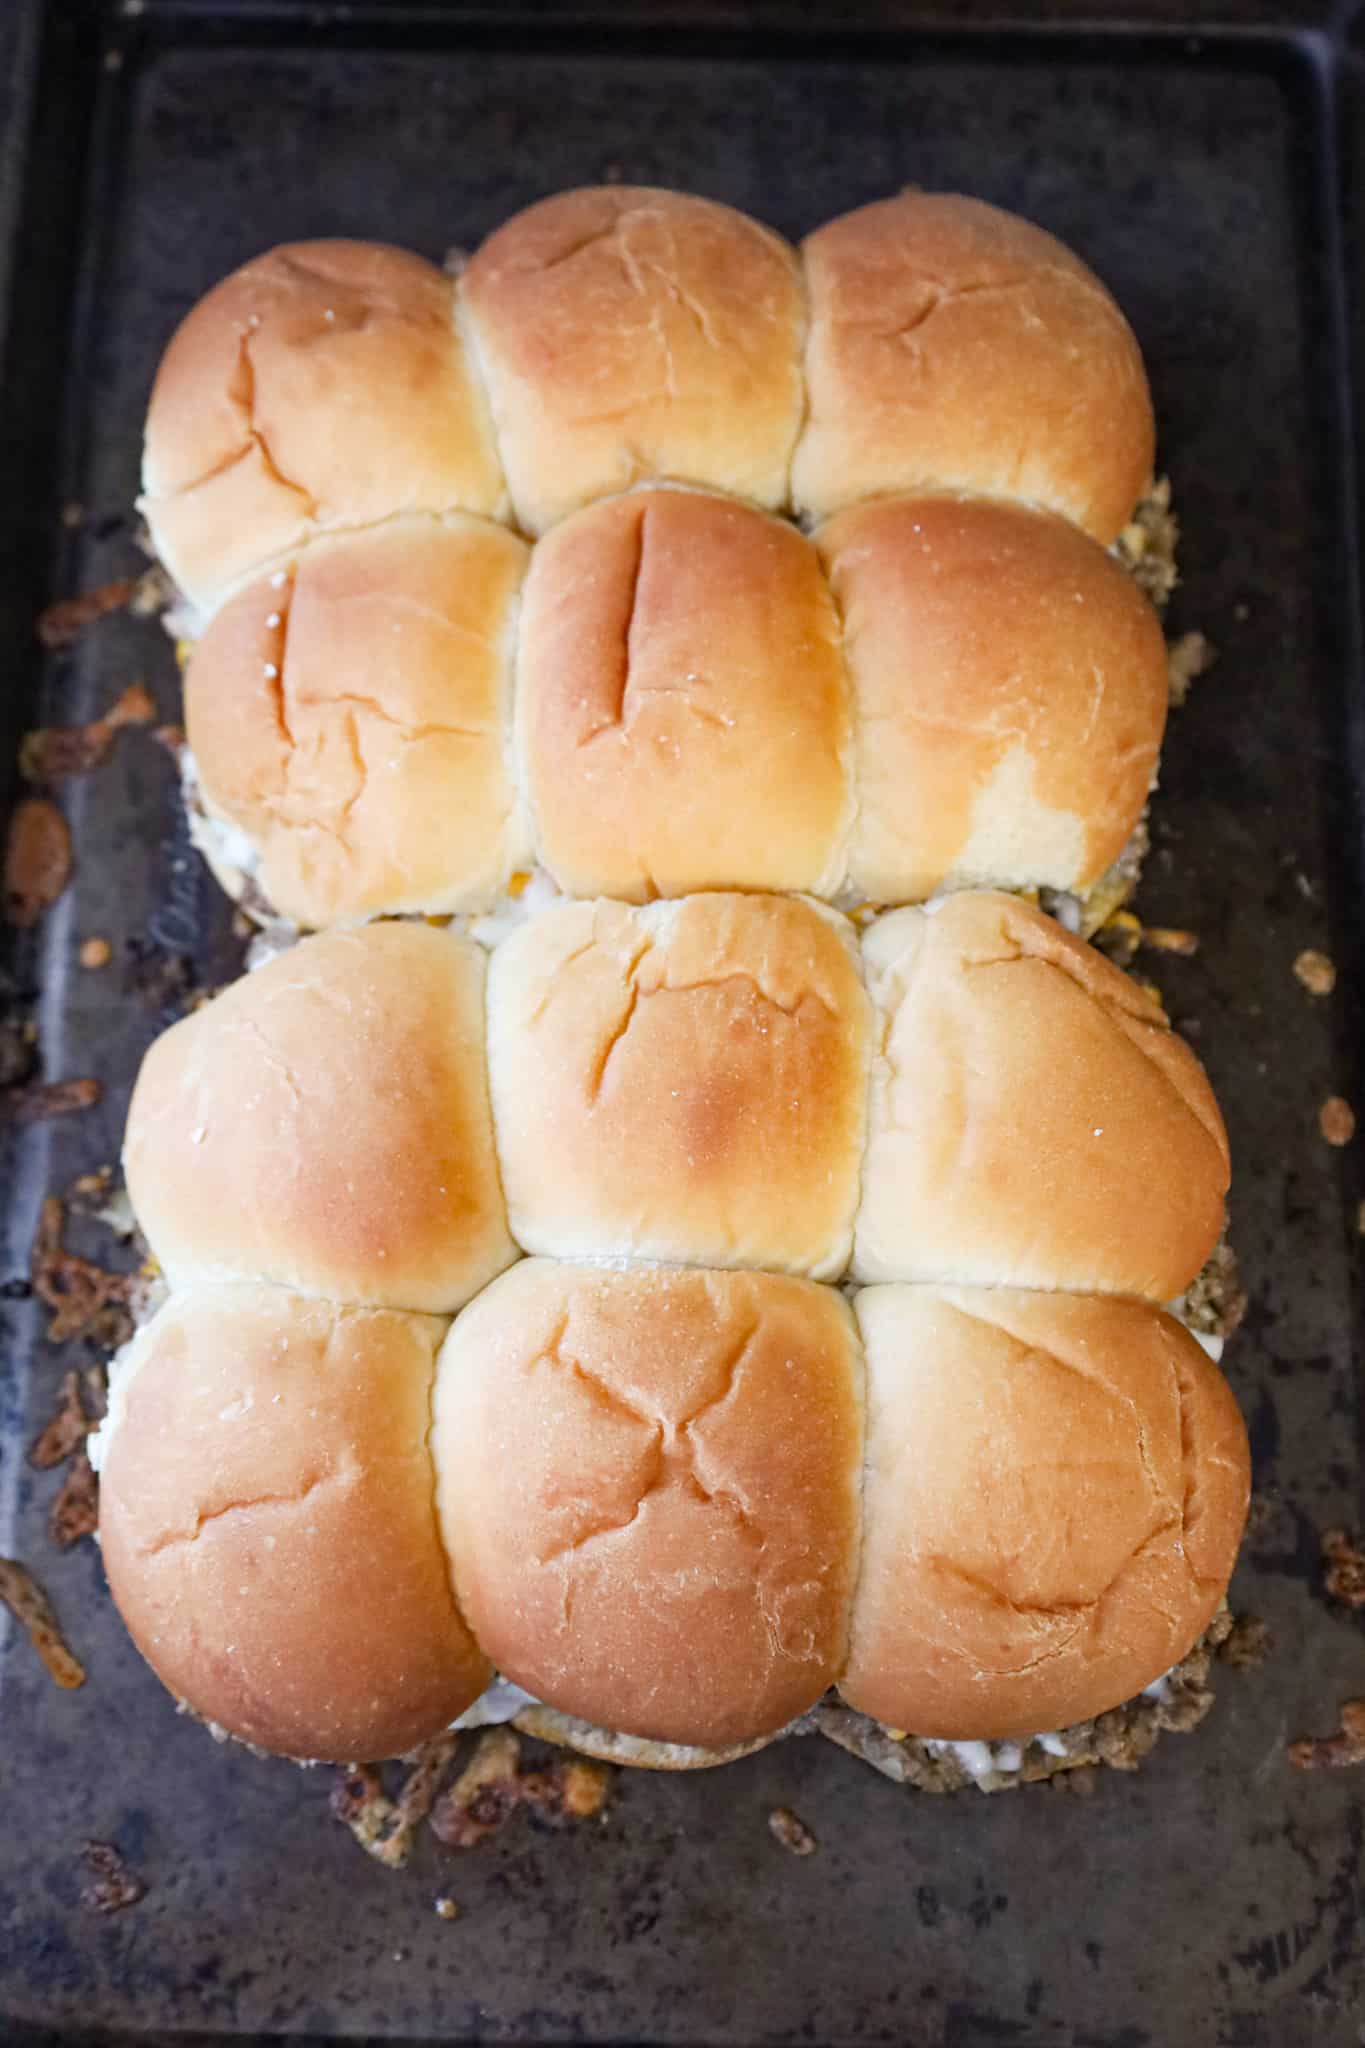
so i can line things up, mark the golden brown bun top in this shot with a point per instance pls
(648, 1482)
(322, 384)
(682, 705)
(684, 1081)
(324, 1123)
(954, 345)
(349, 712)
(1056, 1491)
(1034, 1120)
(1011, 693)
(627, 332)
(266, 1524)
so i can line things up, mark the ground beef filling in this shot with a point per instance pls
(226, 848)
(1215, 1301)
(1088, 913)
(1121, 1738)
(1147, 545)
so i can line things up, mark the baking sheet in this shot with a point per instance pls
(1214, 1897)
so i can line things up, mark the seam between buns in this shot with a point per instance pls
(519, 830)
(863, 1385)
(840, 877)
(798, 253)
(804, 515)
(465, 322)
(882, 1020)
(870, 1055)
(486, 968)
(316, 536)
(446, 1555)
(482, 967)
(464, 333)
(519, 737)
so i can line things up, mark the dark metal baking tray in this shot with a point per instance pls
(1211, 172)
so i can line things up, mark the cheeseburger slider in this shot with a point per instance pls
(324, 1124)
(323, 385)
(346, 716)
(952, 345)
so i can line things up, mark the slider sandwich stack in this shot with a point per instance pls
(686, 1248)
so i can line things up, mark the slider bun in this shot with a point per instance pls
(682, 707)
(266, 1524)
(956, 346)
(322, 384)
(349, 713)
(1009, 684)
(1056, 1489)
(685, 1081)
(1034, 1121)
(626, 333)
(324, 1124)
(648, 1482)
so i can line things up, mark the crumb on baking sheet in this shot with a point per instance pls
(1123, 933)
(33, 1102)
(113, 1886)
(1119, 937)
(62, 624)
(95, 953)
(101, 1195)
(153, 593)
(446, 1908)
(1343, 1577)
(51, 753)
(1315, 971)
(67, 1429)
(790, 1832)
(1164, 938)
(75, 1513)
(38, 860)
(1188, 657)
(1333, 1752)
(493, 1786)
(29, 1605)
(86, 1300)
(1337, 1120)
(385, 1828)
